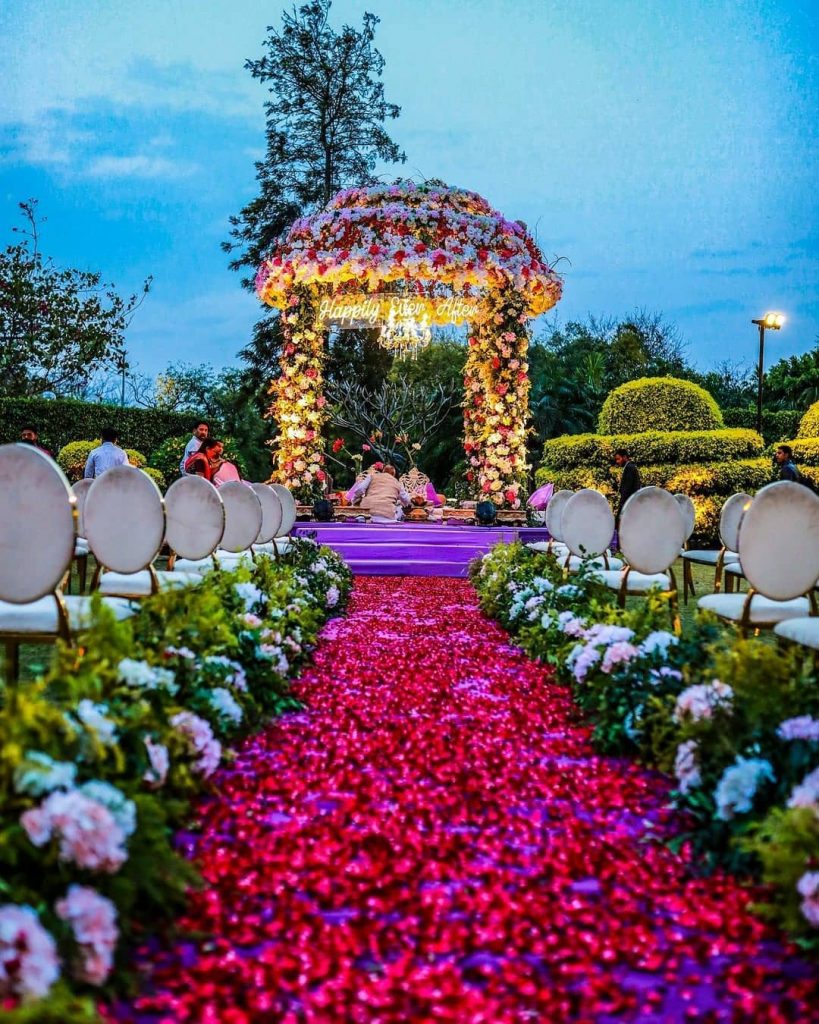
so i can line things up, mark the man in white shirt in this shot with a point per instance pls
(201, 432)
(107, 455)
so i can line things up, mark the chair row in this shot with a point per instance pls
(122, 519)
(778, 531)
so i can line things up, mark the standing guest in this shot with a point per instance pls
(630, 481)
(380, 495)
(108, 454)
(788, 470)
(30, 435)
(201, 431)
(207, 460)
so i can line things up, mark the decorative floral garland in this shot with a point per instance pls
(298, 400)
(496, 399)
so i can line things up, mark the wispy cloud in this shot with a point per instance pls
(139, 166)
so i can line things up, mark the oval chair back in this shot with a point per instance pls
(730, 517)
(652, 530)
(689, 513)
(288, 509)
(272, 512)
(587, 523)
(80, 491)
(195, 517)
(124, 519)
(37, 524)
(779, 541)
(243, 516)
(554, 514)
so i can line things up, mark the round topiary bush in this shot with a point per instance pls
(72, 458)
(658, 403)
(155, 475)
(809, 427)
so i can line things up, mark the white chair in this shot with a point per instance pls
(194, 519)
(272, 516)
(729, 519)
(689, 514)
(587, 524)
(37, 543)
(281, 538)
(652, 531)
(125, 521)
(554, 516)
(804, 632)
(243, 521)
(80, 491)
(779, 550)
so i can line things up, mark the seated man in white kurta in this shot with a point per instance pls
(380, 495)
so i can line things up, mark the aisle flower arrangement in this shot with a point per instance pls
(100, 759)
(734, 722)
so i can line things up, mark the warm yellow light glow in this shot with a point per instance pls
(774, 320)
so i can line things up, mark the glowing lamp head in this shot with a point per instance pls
(773, 321)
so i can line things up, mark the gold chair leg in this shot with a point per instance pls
(688, 581)
(12, 661)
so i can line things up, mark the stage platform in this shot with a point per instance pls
(413, 549)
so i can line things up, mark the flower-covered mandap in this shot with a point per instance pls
(408, 253)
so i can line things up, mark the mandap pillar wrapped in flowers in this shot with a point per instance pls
(404, 258)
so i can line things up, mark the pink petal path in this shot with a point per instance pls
(434, 839)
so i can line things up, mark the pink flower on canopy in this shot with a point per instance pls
(93, 919)
(87, 832)
(28, 954)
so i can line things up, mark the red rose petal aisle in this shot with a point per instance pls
(434, 839)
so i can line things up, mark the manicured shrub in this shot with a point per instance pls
(806, 451)
(167, 456)
(777, 424)
(72, 458)
(652, 446)
(809, 427)
(155, 475)
(658, 403)
(61, 420)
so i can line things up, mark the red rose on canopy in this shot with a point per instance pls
(338, 444)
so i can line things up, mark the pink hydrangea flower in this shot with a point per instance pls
(808, 889)
(88, 834)
(685, 766)
(802, 728)
(201, 740)
(617, 654)
(159, 763)
(806, 794)
(699, 702)
(28, 954)
(93, 919)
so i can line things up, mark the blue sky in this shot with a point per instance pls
(668, 148)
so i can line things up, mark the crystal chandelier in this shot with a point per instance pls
(404, 336)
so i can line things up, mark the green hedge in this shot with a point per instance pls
(658, 403)
(777, 424)
(809, 426)
(62, 420)
(719, 478)
(578, 450)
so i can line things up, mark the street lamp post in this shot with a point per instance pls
(773, 321)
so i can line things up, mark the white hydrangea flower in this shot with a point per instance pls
(586, 659)
(737, 788)
(250, 594)
(93, 716)
(806, 794)
(601, 633)
(123, 810)
(143, 676)
(658, 642)
(223, 703)
(808, 889)
(38, 774)
(570, 624)
(333, 596)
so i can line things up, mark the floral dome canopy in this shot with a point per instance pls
(438, 247)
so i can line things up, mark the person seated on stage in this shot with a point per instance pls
(433, 498)
(207, 461)
(382, 496)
